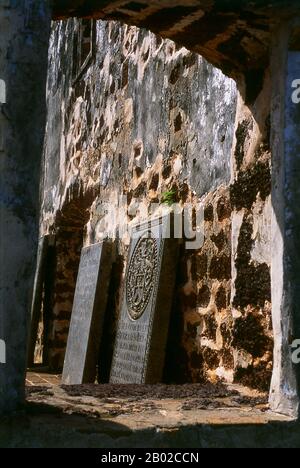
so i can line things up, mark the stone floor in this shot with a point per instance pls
(159, 416)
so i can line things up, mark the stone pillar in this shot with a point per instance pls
(24, 31)
(285, 391)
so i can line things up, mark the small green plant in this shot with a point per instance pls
(169, 197)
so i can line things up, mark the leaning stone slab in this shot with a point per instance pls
(36, 307)
(143, 326)
(88, 314)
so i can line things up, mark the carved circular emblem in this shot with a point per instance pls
(141, 276)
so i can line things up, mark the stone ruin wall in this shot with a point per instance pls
(146, 117)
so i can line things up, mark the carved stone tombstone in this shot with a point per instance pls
(143, 325)
(88, 314)
(37, 296)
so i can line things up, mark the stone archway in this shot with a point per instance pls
(239, 42)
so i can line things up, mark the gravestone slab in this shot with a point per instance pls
(88, 314)
(37, 296)
(142, 332)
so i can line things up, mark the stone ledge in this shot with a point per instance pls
(106, 416)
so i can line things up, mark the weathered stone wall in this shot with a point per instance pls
(250, 193)
(143, 103)
(63, 275)
(143, 117)
(202, 316)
